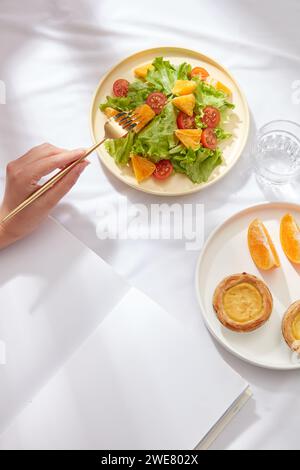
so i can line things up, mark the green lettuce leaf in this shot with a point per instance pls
(139, 92)
(197, 165)
(120, 149)
(137, 95)
(207, 95)
(199, 123)
(183, 71)
(221, 134)
(157, 139)
(120, 104)
(163, 76)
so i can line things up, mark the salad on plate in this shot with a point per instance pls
(183, 111)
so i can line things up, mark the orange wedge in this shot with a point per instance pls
(146, 114)
(111, 112)
(141, 72)
(221, 87)
(190, 138)
(142, 168)
(184, 87)
(290, 238)
(261, 247)
(185, 103)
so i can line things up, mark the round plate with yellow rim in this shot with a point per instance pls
(177, 184)
(226, 253)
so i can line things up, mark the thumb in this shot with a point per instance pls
(62, 187)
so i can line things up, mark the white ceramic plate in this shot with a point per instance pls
(177, 184)
(226, 253)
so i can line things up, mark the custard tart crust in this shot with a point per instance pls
(291, 327)
(243, 303)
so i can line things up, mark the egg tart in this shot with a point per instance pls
(291, 327)
(243, 303)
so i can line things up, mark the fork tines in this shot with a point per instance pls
(128, 120)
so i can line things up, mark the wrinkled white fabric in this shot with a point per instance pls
(52, 55)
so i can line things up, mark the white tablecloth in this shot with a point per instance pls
(52, 55)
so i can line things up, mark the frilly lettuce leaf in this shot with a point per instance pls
(207, 95)
(156, 141)
(183, 71)
(120, 149)
(137, 95)
(221, 134)
(196, 165)
(164, 75)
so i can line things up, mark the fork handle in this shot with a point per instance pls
(49, 184)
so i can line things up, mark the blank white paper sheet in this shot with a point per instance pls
(92, 363)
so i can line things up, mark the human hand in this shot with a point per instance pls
(22, 179)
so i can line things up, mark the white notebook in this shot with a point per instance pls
(92, 363)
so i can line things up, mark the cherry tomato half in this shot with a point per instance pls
(212, 117)
(209, 139)
(157, 101)
(120, 88)
(200, 72)
(185, 122)
(164, 169)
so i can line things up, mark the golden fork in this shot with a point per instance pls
(116, 127)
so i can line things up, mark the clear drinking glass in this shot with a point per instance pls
(277, 152)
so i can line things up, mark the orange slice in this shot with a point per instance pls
(141, 72)
(146, 115)
(190, 138)
(290, 238)
(185, 103)
(184, 87)
(111, 112)
(261, 246)
(142, 168)
(221, 87)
